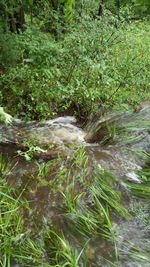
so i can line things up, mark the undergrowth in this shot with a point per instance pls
(77, 73)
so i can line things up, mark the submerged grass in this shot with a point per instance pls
(89, 213)
(85, 208)
(131, 128)
(24, 246)
(65, 254)
(141, 255)
(139, 190)
(142, 189)
(137, 255)
(103, 189)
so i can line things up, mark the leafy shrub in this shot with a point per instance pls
(95, 64)
(10, 51)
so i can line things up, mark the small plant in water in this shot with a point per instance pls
(65, 254)
(43, 168)
(103, 189)
(31, 149)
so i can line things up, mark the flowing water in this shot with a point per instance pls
(119, 143)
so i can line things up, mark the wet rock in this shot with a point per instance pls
(98, 130)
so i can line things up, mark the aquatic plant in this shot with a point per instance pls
(142, 189)
(137, 255)
(103, 189)
(140, 255)
(86, 204)
(44, 168)
(88, 212)
(71, 198)
(139, 190)
(65, 254)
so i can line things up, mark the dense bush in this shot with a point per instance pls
(98, 62)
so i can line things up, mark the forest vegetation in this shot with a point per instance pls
(71, 57)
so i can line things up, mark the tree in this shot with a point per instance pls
(101, 7)
(12, 13)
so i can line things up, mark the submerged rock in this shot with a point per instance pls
(57, 131)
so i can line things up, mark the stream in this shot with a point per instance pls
(116, 142)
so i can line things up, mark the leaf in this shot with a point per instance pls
(5, 195)
(5, 117)
(30, 2)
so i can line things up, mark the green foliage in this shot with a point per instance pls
(141, 6)
(10, 51)
(82, 207)
(136, 8)
(66, 255)
(5, 117)
(68, 4)
(75, 68)
(141, 190)
(11, 223)
(102, 188)
(31, 149)
(33, 78)
(93, 219)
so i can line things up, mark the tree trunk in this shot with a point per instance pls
(17, 21)
(118, 8)
(54, 4)
(101, 7)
